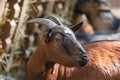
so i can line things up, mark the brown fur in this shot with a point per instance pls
(97, 15)
(104, 64)
(51, 51)
(86, 27)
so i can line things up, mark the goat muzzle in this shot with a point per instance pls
(82, 60)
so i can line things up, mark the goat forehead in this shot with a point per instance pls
(68, 31)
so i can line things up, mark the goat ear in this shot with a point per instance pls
(54, 19)
(48, 36)
(77, 26)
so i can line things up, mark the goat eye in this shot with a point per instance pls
(58, 39)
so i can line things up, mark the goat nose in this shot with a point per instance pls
(85, 57)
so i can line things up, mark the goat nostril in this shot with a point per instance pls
(85, 57)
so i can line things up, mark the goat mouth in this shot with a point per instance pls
(82, 63)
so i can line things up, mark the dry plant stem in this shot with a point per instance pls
(49, 8)
(17, 33)
(2, 5)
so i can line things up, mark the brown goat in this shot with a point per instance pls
(104, 64)
(55, 47)
(50, 62)
(86, 27)
(98, 13)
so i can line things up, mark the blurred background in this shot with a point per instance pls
(18, 40)
(115, 7)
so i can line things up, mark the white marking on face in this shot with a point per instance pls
(69, 31)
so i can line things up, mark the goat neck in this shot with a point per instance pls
(38, 59)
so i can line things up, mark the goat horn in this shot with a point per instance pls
(46, 22)
(53, 18)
